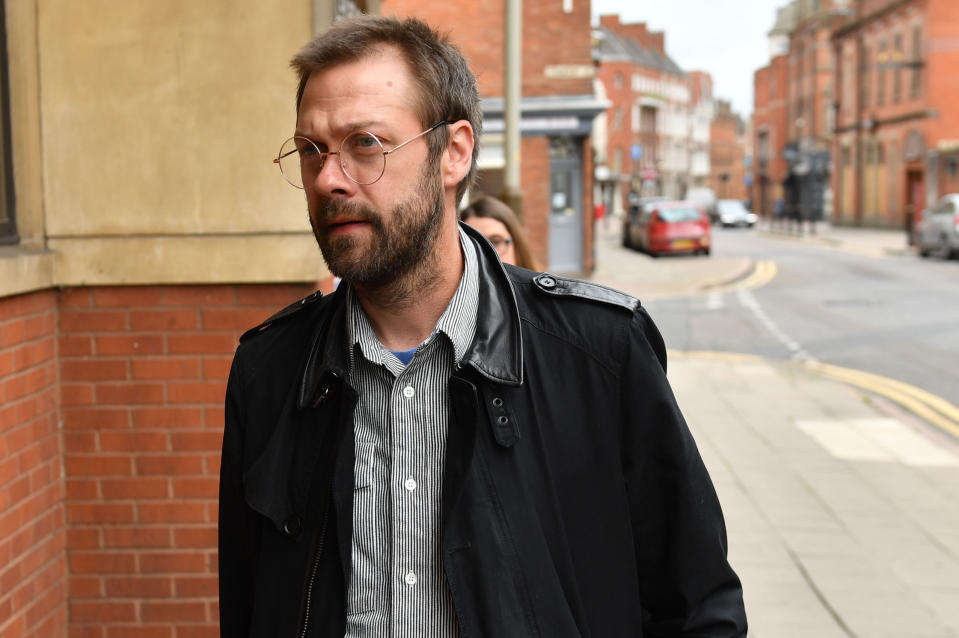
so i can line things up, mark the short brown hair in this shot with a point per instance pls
(493, 208)
(447, 86)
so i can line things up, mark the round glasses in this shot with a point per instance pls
(362, 157)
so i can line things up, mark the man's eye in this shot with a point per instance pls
(363, 143)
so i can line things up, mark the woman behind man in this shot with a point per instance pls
(502, 228)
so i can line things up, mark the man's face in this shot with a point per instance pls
(371, 234)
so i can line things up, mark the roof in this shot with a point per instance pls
(610, 47)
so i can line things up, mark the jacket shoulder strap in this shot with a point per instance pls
(568, 287)
(287, 312)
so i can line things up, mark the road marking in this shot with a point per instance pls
(715, 300)
(763, 272)
(933, 409)
(748, 301)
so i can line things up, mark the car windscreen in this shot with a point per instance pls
(731, 207)
(671, 215)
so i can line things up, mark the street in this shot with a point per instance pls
(805, 369)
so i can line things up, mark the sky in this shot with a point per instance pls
(726, 38)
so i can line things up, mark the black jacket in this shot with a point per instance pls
(575, 502)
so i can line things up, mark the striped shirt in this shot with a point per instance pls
(397, 584)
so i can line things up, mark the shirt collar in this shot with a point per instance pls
(457, 323)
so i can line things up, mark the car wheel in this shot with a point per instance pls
(945, 251)
(924, 252)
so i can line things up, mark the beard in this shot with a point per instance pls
(400, 243)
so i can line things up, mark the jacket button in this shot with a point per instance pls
(292, 526)
(547, 282)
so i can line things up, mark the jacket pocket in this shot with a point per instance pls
(367, 533)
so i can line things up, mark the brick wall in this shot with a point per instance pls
(32, 535)
(143, 373)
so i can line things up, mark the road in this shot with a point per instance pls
(895, 316)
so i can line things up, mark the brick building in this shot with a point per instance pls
(557, 112)
(727, 153)
(648, 125)
(896, 143)
(770, 117)
(143, 227)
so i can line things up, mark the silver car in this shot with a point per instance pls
(938, 232)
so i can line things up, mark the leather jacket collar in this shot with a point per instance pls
(496, 352)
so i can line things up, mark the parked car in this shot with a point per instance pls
(732, 212)
(706, 198)
(671, 227)
(631, 220)
(938, 231)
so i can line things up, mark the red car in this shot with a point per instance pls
(671, 227)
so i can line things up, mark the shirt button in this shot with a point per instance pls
(410, 578)
(408, 392)
(410, 484)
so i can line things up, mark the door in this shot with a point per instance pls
(565, 205)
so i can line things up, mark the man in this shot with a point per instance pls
(447, 446)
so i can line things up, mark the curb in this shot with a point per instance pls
(932, 409)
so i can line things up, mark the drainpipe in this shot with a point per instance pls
(512, 193)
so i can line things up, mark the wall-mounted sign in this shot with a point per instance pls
(569, 71)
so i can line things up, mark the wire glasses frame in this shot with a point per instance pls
(362, 157)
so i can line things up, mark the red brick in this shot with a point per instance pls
(176, 612)
(73, 394)
(83, 489)
(198, 537)
(92, 320)
(169, 464)
(85, 587)
(98, 465)
(197, 441)
(141, 344)
(86, 631)
(128, 296)
(197, 392)
(214, 417)
(102, 612)
(95, 418)
(83, 538)
(272, 295)
(12, 333)
(75, 442)
(39, 326)
(142, 587)
(168, 417)
(171, 512)
(234, 319)
(198, 631)
(75, 298)
(138, 536)
(164, 320)
(140, 630)
(198, 587)
(201, 296)
(102, 563)
(217, 367)
(129, 393)
(79, 513)
(134, 441)
(191, 488)
(166, 368)
(93, 370)
(135, 488)
(172, 562)
(203, 343)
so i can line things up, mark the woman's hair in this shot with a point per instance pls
(492, 208)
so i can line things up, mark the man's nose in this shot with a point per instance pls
(332, 179)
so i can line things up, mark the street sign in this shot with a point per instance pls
(636, 152)
(648, 173)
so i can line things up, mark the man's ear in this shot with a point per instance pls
(458, 157)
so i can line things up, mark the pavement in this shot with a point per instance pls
(842, 505)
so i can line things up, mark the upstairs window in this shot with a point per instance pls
(8, 225)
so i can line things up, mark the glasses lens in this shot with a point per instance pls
(300, 160)
(362, 157)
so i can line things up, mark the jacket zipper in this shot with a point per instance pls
(309, 588)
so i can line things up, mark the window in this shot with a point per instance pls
(864, 85)
(881, 71)
(618, 80)
(914, 82)
(897, 72)
(618, 119)
(8, 226)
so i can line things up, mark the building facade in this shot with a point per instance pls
(896, 135)
(558, 107)
(648, 124)
(769, 130)
(727, 153)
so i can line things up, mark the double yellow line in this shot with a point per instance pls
(933, 409)
(926, 405)
(763, 272)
